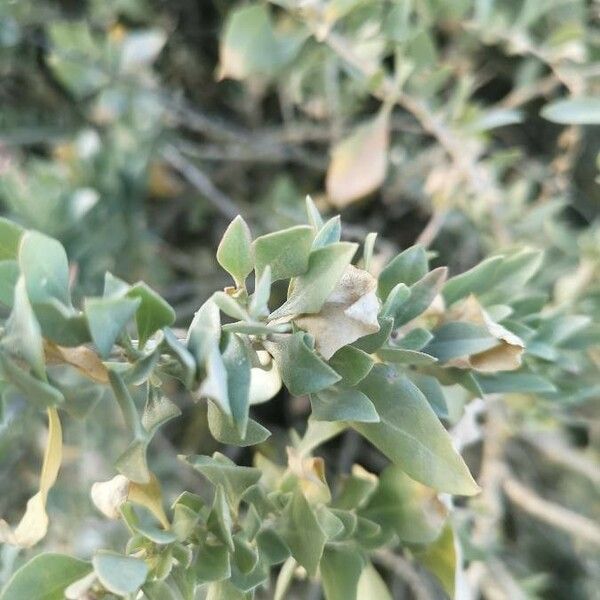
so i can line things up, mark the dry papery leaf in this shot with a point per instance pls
(349, 313)
(109, 496)
(34, 524)
(310, 472)
(359, 162)
(506, 356)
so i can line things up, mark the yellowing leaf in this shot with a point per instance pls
(34, 524)
(441, 559)
(349, 313)
(310, 472)
(359, 162)
(150, 496)
(506, 356)
(84, 359)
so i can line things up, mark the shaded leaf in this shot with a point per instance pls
(411, 435)
(107, 318)
(310, 291)
(302, 371)
(153, 312)
(302, 532)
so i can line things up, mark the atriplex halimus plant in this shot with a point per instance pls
(389, 352)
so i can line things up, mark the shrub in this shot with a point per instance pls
(389, 353)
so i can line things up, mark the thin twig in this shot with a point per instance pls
(556, 450)
(403, 569)
(221, 201)
(576, 525)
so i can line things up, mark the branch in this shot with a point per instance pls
(559, 517)
(221, 201)
(403, 569)
(556, 450)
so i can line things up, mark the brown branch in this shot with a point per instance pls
(576, 525)
(221, 201)
(405, 571)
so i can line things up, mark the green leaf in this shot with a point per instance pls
(234, 253)
(107, 318)
(224, 590)
(329, 233)
(432, 390)
(119, 574)
(10, 236)
(341, 567)
(36, 391)
(9, 274)
(244, 555)
(302, 371)
(212, 563)
(343, 404)
(133, 464)
(185, 358)
(237, 364)
(221, 471)
(474, 281)
(225, 432)
(372, 343)
(220, 521)
(251, 45)
(405, 506)
(421, 296)
(314, 216)
(204, 332)
(45, 577)
(403, 356)
(286, 252)
(351, 364)
(271, 547)
(509, 382)
(153, 313)
(23, 337)
(395, 301)
(302, 533)
(158, 536)
(356, 489)
(44, 264)
(214, 386)
(408, 267)
(310, 290)
(415, 339)
(440, 558)
(411, 435)
(259, 302)
(458, 338)
(62, 324)
(573, 111)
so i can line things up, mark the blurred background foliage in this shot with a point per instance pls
(134, 130)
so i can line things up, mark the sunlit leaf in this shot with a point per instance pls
(359, 162)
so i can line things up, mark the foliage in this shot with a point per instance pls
(430, 334)
(133, 130)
